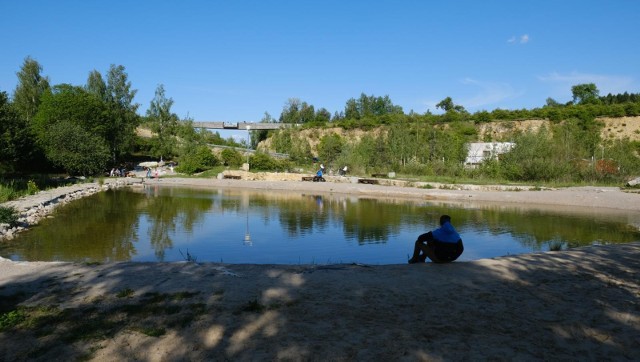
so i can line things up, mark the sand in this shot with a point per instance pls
(580, 304)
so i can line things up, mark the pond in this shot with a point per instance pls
(247, 226)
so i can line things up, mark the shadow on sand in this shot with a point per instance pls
(582, 304)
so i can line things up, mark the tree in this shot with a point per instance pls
(329, 148)
(550, 102)
(70, 103)
(258, 136)
(123, 118)
(97, 86)
(290, 111)
(586, 93)
(370, 106)
(71, 147)
(163, 124)
(16, 142)
(447, 105)
(322, 115)
(31, 86)
(296, 111)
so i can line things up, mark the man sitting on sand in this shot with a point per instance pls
(442, 245)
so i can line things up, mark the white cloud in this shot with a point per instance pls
(522, 39)
(481, 95)
(606, 83)
(488, 93)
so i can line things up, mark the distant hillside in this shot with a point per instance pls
(614, 128)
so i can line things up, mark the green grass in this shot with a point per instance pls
(12, 319)
(125, 293)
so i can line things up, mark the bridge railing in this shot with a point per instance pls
(242, 125)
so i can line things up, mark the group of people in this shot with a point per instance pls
(321, 172)
(118, 172)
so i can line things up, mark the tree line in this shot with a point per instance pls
(570, 149)
(84, 129)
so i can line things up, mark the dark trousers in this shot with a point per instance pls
(427, 246)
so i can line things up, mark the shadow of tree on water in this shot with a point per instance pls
(582, 304)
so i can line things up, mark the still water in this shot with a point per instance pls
(244, 226)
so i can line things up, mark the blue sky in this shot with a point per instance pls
(235, 60)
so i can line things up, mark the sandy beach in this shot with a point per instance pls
(580, 304)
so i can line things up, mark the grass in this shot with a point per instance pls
(11, 319)
(125, 293)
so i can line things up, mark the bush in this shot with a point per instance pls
(263, 162)
(231, 157)
(198, 160)
(8, 215)
(32, 188)
(7, 192)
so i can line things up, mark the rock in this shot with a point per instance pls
(634, 182)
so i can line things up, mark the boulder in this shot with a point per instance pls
(634, 182)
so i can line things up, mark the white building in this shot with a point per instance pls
(481, 151)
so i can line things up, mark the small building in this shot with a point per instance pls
(479, 152)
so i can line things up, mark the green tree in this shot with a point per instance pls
(550, 102)
(123, 119)
(16, 142)
(71, 103)
(322, 115)
(329, 148)
(401, 143)
(291, 111)
(78, 151)
(585, 93)
(296, 111)
(163, 124)
(370, 106)
(447, 105)
(31, 86)
(258, 136)
(97, 86)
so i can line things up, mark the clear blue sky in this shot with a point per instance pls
(234, 60)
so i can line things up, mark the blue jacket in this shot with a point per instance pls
(446, 233)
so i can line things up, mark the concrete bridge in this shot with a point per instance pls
(247, 126)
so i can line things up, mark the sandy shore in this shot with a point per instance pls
(581, 304)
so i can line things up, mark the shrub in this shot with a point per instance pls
(8, 215)
(198, 160)
(7, 192)
(32, 188)
(263, 162)
(231, 157)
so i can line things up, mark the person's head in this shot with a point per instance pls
(444, 219)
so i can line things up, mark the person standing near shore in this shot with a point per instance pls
(442, 245)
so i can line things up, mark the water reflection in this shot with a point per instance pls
(154, 223)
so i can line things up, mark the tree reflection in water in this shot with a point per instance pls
(131, 224)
